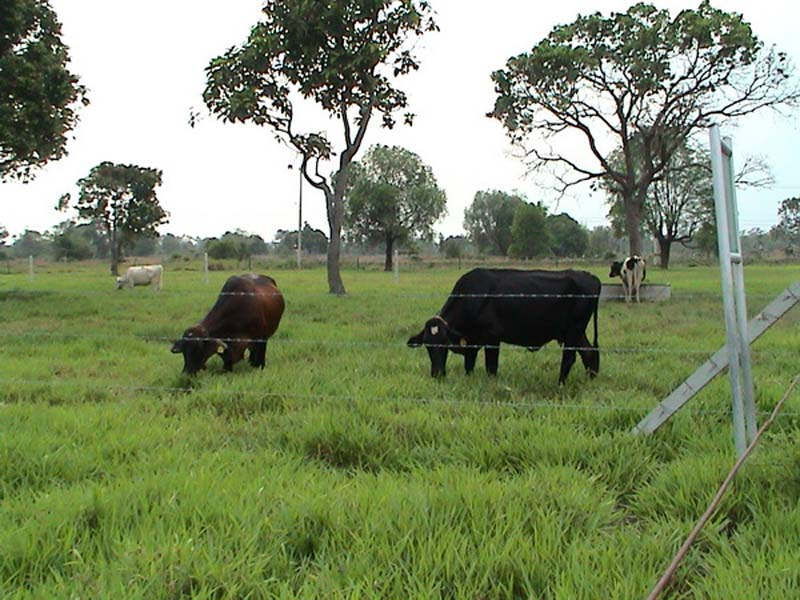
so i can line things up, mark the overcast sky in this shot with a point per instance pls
(143, 64)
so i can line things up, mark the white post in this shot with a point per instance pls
(732, 278)
(396, 266)
(300, 221)
(205, 267)
(30, 267)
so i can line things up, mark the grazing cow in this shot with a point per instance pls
(143, 275)
(632, 271)
(524, 308)
(246, 314)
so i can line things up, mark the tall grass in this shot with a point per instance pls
(343, 470)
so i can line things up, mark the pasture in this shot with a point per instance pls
(343, 470)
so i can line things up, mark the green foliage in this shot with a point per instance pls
(31, 243)
(644, 79)
(568, 237)
(236, 244)
(39, 93)
(789, 213)
(391, 197)
(314, 241)
(345, 57)
(69, 243)
(454, 246)
(488, 220)
(529, 234)
(122, 201)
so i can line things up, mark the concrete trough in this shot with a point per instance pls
(648, 292)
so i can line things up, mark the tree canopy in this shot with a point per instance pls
(567, 236)
(392, 196)
(122, 201)
(529, 233)
(39, 94)
(639, 75)
(488, 220)
(344, 56)
(789, 213)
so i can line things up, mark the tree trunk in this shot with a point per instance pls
(664, 247)
(633, 222)
(387, 265)
(335, 218)
(114, 254)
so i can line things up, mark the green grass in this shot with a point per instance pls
(344, 471)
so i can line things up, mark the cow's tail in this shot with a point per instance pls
(596, 350)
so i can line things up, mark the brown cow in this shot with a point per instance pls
(246, 314)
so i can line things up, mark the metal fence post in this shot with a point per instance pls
(733, 296)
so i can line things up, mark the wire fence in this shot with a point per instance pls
(689, 349)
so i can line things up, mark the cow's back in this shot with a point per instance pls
(250, 305)
(523, 307)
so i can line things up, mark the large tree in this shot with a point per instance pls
(530, 237)
(639, 75)
(392, 196)
(567, 236)
(121, 200)
(682, 200)
(342, 55)
(38, 94)
(789, 213)
(488, 220)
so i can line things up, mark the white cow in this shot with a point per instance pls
(632, 271)
(143, 275)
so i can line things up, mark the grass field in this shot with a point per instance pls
(343, 470)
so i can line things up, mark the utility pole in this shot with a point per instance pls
(299, 217)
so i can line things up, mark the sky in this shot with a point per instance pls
(143, 64)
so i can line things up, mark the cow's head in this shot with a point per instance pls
(437, 337)
(120, 283)
(197, 347)
(616, 269)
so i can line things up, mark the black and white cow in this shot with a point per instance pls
(524, 308)
(632, 272)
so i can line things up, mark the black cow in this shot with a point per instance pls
(524, 308)
(246, 314)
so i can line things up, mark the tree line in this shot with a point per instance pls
(644, 83)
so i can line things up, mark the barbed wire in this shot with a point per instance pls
(544, 348)
(477, 403)
(612, 295)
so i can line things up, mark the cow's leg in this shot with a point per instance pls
(232, 354)
(567, 357)
(589, 355)
(258, 354)
(470, 355)
(492, 356)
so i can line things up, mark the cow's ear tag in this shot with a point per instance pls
(463, 341)
(434, 330)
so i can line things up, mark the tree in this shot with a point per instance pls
(69, 243)
(683, 199)
(488, 220)
(568, 237)
(39, 94)
(529, 235)
(642, 81)
(342, 55)
(602, 242)
(31, 243)
(122, 201)
(314, 241)
(392, 196)
(789, 213)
